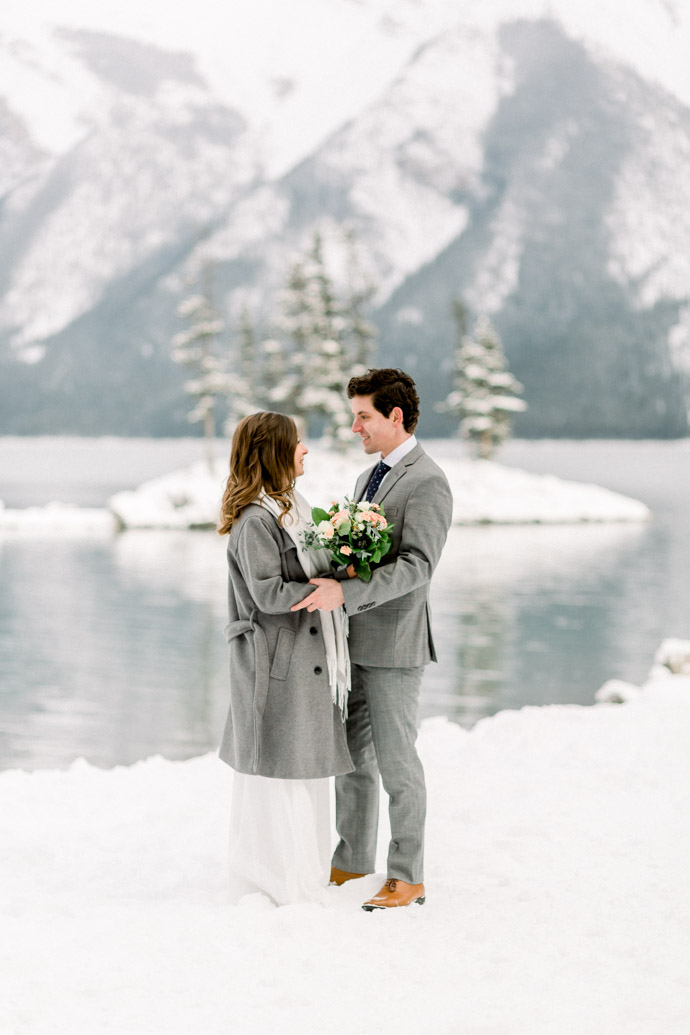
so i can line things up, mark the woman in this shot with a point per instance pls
(289, 673)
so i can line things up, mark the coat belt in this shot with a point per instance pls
(261, 670)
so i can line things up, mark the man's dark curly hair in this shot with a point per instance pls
(388, 388)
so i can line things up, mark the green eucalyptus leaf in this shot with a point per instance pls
(363, 570)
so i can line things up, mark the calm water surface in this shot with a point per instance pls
(112, 648)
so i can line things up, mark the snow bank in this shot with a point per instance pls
(483, 492)
(58, 518)
(188, 498)
(557, 887)
(672, 657)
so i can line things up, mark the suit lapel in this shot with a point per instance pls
(396, 473)
(393, 476)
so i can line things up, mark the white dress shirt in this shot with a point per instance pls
(398, 453)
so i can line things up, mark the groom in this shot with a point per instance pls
(390, 640)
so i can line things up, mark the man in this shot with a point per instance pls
(390, 640)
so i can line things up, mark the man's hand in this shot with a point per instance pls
(326, 597)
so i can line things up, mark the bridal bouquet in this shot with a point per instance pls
(353, 533)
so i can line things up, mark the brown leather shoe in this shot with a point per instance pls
(396, 893)
(340, 876)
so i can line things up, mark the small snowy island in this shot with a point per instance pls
(484, 492)
(58, 519)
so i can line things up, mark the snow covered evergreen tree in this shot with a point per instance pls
(321, 337)
(278, 383)
(241, 373)
(361, 332)
(196, 348)
(485, 393)
(319, 360)
(248, 356)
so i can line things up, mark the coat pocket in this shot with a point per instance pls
(283, 654)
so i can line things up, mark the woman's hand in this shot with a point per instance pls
(326, 597)
(351, 573)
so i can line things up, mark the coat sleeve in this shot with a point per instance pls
(428, 513)
(258, 558)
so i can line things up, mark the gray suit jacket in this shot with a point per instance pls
(390, 619)
(281, 721)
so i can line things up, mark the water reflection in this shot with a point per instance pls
(113, 649)
(182, 564)
(526, 615)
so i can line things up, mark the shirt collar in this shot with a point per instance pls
(400, 451)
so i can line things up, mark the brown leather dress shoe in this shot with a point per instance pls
(396, 893)
(340, 876)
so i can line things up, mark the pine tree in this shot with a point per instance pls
(278, 384)
(361, 332)
(226, 377)
(248, 358)
(196, 348)
(485, 393)
(242, 374)
(319, 359)
(321, 338)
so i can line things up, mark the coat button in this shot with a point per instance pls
(313, 630)
(318, 670)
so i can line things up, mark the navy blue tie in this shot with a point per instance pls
(377, 477)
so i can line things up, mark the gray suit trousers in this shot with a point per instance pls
(381, 736)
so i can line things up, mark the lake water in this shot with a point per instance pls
(112, 648)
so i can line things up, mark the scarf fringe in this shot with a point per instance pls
(340, 680)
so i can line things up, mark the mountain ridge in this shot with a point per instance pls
(459, 177)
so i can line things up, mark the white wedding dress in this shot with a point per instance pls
(280, 830)
(280, 838)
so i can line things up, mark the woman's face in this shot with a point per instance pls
(300, 454)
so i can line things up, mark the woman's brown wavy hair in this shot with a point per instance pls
(262, 459)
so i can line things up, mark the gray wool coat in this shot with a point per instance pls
(390, 617)
(281, 721)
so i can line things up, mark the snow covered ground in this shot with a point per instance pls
(557, 880)
(483, 491)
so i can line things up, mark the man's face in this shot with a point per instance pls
(379, 434)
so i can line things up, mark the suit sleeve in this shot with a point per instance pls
(258, 558)
(428, 513)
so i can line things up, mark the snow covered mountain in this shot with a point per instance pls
(525, 154)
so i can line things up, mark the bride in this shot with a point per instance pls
(289, 673)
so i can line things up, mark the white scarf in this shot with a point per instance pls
(333, 623)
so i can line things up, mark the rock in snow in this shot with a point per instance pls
(617, 691)
(557, 884)
(672, 656)
(483, 491)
